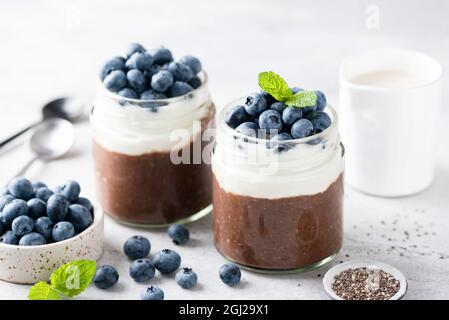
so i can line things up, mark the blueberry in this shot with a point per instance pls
(136, 80)
(79, 216)
(301, 128)
(22, 225)
(270, 120)
(115, 81)
(192, 62)
(255, 104)
(186, 278)
(44, 226)
(280, 147)
(230, 274)
(140, 60)
(57, 207)
(179, 88)
(278, 106)
(12, 210)
(36, 208)
(37, 185)
(71, 190)
(62, 231)
(32, 239)
(117, 63)
(137, 247)
(195, 82)
(268, 98)
(3, 228)
(236, 116)
(161, 56)
(133, 48)
(150, 73)
(321, 101)
(320, 120)
(43, 193)
(295, 90)
(152, 95)
(179, 234)
(180, 71)
(128, 93)
(4, 200)
(85, 203)
(105, 277)
(291, 114)
(248, 128)
(142, 270)
(152, 293)
(161, 81)
(21, 188)
(9, 238)
(166, 261)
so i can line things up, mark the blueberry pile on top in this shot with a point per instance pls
(279, 112)
(31, 214)
(150, 75)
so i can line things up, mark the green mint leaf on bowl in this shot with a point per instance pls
(275, 85)
(302, 99)
(73, 278)
(43, 291)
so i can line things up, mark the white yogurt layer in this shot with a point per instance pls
(134, 130)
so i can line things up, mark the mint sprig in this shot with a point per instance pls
(277, 87)
(68, 280)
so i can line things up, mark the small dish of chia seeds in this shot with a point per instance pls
(364, 280)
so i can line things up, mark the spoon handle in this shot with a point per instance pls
(25, 167)
(17, 134)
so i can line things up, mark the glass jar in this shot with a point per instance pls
(278, 206)
(149, 156)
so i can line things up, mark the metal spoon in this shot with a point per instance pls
(67, 108)
(49, 140)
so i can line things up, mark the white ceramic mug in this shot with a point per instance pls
(389, 108)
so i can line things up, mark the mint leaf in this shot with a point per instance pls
(275, 85)
(43, 291)
(73, 278)
(302, 99)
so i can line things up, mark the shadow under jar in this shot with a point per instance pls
(151, 163)
(278, 206)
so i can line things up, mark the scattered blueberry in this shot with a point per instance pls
(22, 225)
(105, 277)
(62, 231)
(179, 234)
(291, 114)
(255, 104)
(57, 207)
(137, 247)
(43, 193)
(85, 203)
(142, 270)
(32, 239)
(186, 278)
(128, 93)
(37, 185)
(152, 293)
(140, 60)
(193, 63)
(248, 128)
(9, 238)
(133, 48)
(136, 80)
(235, 116)
(44, 226)
(36, 208)
(161, 81)
(179, 88)
(180, 71)
(114, 64)
(230, 274)
(161, 56)
(79, 216)
(166, 261)
(21, 188)
(195, 82)
(301, 129)
(115, 81)
(321, 101)
(4, 200)
(278, 106)
(270, 120)
(12, 210)
(320, 120)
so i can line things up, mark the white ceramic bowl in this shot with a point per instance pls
(339, 268)
(30, 264)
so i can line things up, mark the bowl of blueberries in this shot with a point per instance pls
(42, 228)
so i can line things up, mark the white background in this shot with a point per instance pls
(49, 48)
